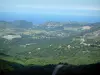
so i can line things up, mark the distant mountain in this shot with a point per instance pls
(94, 32)
(22, 24)
(95, 26)
(5, 24)
(70, 23)
(74, 24)
(16, 24)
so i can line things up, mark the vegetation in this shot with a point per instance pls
(27, 50)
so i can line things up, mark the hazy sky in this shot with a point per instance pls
(69, 7)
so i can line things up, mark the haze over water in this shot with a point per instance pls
(39, 11)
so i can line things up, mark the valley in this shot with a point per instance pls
(50, 43)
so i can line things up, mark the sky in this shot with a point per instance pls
(52, 7)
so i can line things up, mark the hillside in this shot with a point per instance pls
(16, 24)
(43, 45)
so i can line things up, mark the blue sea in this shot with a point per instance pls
(37, 18)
